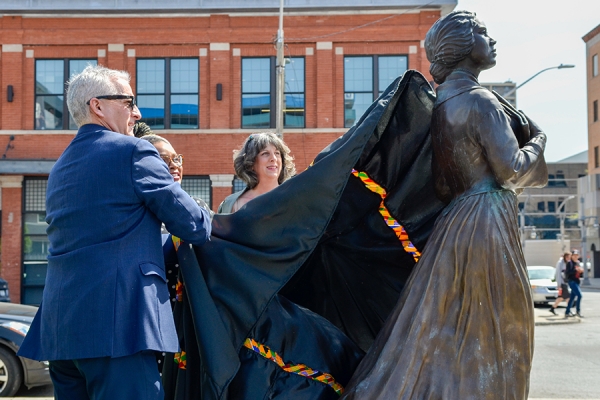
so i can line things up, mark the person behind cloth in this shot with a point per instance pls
(288, 332)
(560, 281)
(263, 163)
(463, 326)
(105, 308)
(573, 272)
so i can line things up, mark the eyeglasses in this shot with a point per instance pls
(131, 104)
(177, 160)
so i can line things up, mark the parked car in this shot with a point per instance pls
(15, 371)
(543, 284)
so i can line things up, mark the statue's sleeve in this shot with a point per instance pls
(513, 167)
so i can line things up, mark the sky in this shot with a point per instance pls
(533, 35)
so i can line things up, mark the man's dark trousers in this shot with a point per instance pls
(105, 378)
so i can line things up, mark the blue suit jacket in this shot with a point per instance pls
(106, 292)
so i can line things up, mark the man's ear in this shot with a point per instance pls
(95, 108)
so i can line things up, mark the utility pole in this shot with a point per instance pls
(280, 70)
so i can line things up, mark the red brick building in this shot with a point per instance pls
(204, 77)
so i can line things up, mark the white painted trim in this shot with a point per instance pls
(116, 47)
(101, 52)
(310, 51)
(324, 45)
(12, 48)
(29, 53)
(203, 52)
(412, 49)
(219, 47)
(236, 52)
(339, 51)
(221, 180)
(11, 181)
(131, 53)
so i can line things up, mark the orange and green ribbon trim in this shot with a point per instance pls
(298, 369)
(389, 220)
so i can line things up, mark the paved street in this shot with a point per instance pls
(566, 362)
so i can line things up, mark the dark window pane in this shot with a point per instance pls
(35, 223)
(49, 77)
(355, 104)
(198, 187)
(358, 74)
(76, 66)
(256, 76)
(294, 111)
(184, 76)
(551, 206)
(390, 67)
(35, 247)
(151, 76)
(256, 111)
(184, 111)
(49, 112)
(238, 185)
(294, 76)
(153, 110)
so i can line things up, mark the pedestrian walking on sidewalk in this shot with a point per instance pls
(572, 273)
(561, 283)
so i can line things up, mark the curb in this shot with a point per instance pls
(556, 321)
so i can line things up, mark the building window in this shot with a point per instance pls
(365, 78)
(595, 110)
(551, 180)
(595, 65)
(35, 240)
(259, 94)
(541, 206)
(51, 91)
(198, 186)
(551, 206)
(238, 185)
(560, 179)
(596, 158)
(167, 92)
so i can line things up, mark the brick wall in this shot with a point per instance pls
(219, 42)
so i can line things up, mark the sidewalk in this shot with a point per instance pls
(544, 317)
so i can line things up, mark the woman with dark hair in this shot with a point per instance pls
(263, 163)
(463, 327)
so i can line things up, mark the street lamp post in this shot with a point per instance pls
(561, 66)
(562, 216)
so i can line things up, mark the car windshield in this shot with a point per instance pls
(542, 273)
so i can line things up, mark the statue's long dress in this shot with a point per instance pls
(463, 328)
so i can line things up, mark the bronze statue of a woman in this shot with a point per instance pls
(463, 327)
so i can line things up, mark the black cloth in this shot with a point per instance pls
(319, 241)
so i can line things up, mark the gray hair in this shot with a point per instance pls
(244, 159)
(94, 80)
(449, 41)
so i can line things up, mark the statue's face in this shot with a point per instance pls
(483, 54)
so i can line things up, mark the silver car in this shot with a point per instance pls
(543, 284)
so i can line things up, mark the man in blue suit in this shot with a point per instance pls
(105, 307)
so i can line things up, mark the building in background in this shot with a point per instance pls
(205, 79)
(507, 89)
(551, 212)
(592, 49)
(589, 187)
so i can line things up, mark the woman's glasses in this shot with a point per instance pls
(177, 159)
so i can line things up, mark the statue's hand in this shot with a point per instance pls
(534, 128)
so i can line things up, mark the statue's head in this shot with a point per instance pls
(449, 41)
